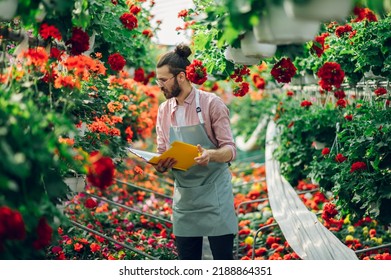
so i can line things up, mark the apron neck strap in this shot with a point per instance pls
(198, 107)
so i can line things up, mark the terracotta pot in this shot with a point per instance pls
(321, 10)
(276, 27)
(236, 55)
(8, 9)
(252, 48)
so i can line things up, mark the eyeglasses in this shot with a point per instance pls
(162, 83)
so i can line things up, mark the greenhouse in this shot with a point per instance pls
(286, 155)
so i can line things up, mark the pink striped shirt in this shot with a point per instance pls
(214, 112)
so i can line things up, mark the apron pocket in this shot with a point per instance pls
(198, 199)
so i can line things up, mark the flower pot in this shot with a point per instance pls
(252, 48)
(320, 10)
(236, 55)
(275, 27)
(76, 183)
(8, 9)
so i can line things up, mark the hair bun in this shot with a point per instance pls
(183, 50)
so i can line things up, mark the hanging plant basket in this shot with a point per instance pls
(76, 183)
(276, 27)
(252, 48)
(236, 55)
(8, 9)
(320, 10)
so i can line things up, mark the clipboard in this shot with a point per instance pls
(184, 154)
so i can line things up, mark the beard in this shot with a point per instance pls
(175, 91)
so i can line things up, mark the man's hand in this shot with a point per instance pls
(203, 156)
(165, 164)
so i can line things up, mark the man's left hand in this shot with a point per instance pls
(203, 156)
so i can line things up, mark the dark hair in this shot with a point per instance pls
(176, 60)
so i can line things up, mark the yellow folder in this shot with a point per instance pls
(184, 154)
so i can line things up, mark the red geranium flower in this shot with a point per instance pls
(339, 94)
(101, 171)
(116, 61)
(129, 20)
(139, 75)
(284, 70)
(196, 72)
(11, 224)
(90, 203)
(241, 90)
(340, 158)
(330, 75)
(79, 41)
(380, 91)
(259, 82)
(341, 103)
(306, 103)
(44, 234)
(358, 166)
(325, 151)
(319, 46)
(348, 117)
(135, 9)
(49, 31)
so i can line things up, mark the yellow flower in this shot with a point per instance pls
(347, 220)
(349, 238)
(249, 240)
(351, 229)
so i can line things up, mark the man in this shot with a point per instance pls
(203, 199)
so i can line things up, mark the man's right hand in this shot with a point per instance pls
(165, 164)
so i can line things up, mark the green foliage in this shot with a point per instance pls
(367, 139)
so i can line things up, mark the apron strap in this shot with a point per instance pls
(198, 107)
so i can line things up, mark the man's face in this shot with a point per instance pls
(167, 82)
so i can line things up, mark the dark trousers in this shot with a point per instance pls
(190, 248)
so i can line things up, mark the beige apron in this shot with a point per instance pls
(203, 197)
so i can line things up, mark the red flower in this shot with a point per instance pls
(306, 104)
(147, 33)
(380, 91)
(284, 70)
(196, 73)
(116, 61)
(339, 94)
(44, 234)
(90, 203)
(49, 31)
(325, 151)
(340, 158)
(319, 46)
(358, 166)
(129, 21)
(101, 171)
(290, 93)
(329, 211)
(55, 53)
(183, 13)
(139, 75)
(341, 30)
(79, 41)
(330, 75)
(135, 9)
(348, 117)
(242, 90)
(259, 82)
(341, 103)
(364, 14)
(11, 224)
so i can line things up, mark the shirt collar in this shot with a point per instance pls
(189, 100)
